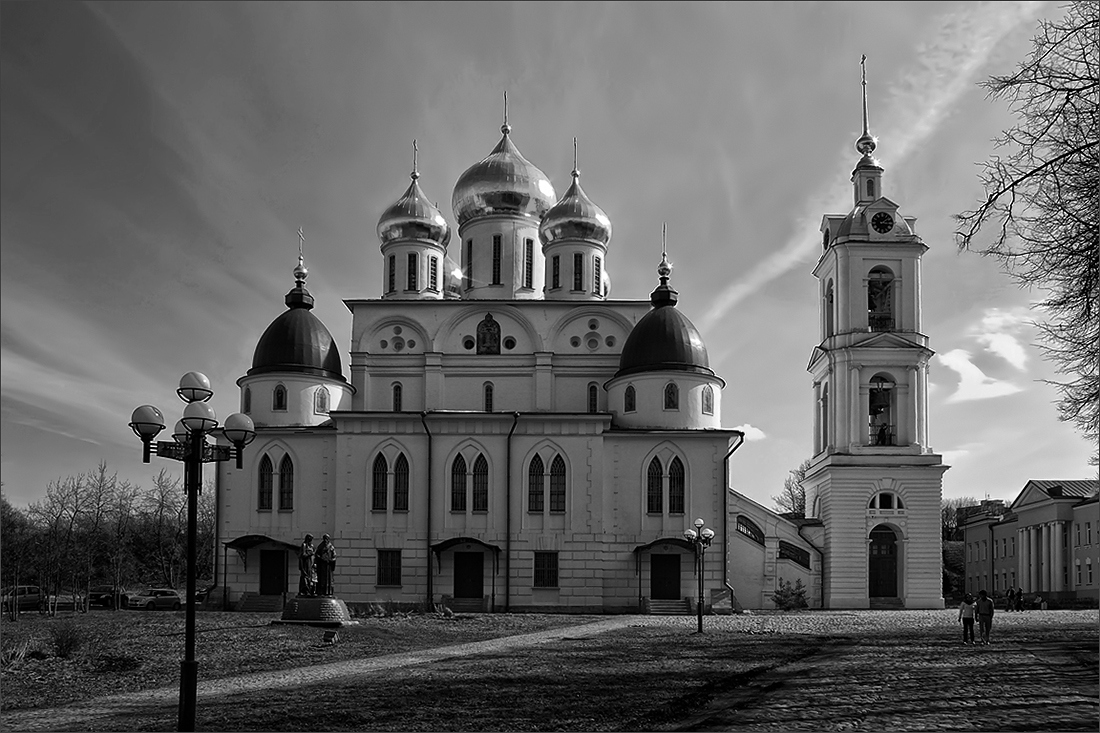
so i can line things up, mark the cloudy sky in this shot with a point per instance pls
(158, 159)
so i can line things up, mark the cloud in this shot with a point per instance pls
(998, 333)
(751, 432)
(973, 383)
(923, 98)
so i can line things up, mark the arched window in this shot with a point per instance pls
(488, 336)
(286, 484)
(675, 487)
(880, 299)
(320, 401)
(593, 399)
(481, 484)
(557, 485)
(672, 396)
(629, 397)
(880, 401)
(708, 400)
(397, 397)
(401, 484)
(267, 481)
(886, 500)
(654, 503)
(823, 418)
(278, 398)
(870, 188)
(458, 485)
(378, 484)
(788, 551)
(488, 397)
(828, 307)
(748, 528)
(246, 406)
(535, 494)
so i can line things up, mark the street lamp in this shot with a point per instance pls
(700, 538)
(189, 446)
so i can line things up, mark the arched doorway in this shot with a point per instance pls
(882, 565)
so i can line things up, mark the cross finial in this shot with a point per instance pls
(866, 143)
(415, 173)
(576, 171)
(664, 269)
(301, 242)
(505, 128)
(300, 272)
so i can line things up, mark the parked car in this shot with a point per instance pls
(26, 598)
(108, 595)
(154, 598)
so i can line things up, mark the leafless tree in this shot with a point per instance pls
(792, 500)
(950, 516)
(1042, 196)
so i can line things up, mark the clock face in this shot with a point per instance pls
(882, 222)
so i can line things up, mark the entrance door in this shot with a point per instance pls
(469, 574)
(883, 563)
(664, 577)
(272, 572)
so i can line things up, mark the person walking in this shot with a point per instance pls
(984, 608)
(1010, 599)
(1019, 599)
(967, 613)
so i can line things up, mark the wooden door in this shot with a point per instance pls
(664, 577)
(272, 572)
(469, 574)
(883, 564)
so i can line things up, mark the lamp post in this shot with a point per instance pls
(190, 448)
(700, 538)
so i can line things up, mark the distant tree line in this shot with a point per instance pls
(97, 529)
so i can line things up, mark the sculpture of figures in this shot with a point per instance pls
(307, 580)
(326, 565)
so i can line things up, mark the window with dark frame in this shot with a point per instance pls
(497, 255)
(278, 399)
(528, 263)
(458, 484)
(286, 484)
(397, 395)
(379, 475)
(654, 499)
(557, 486)
(593, 399)
(481, 484)
(320, 401)
(748, 528)
(578, 271)
(546, 570)
(596, 276)
(413, 275)
(629, 399)
(401, 484)
(535, 490)
(469, 263)
(391, 278)
(708, 400)
(247, 406)
(433, 274)
(267, 483)
(672, 396)
(488, 397)
(676, 487)
(389, 567)
(555, 282)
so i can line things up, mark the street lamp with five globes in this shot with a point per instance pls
(700, 538)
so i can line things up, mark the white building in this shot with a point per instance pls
(512, 438)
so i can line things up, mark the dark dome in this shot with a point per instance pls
(664, 340)
(297, 341)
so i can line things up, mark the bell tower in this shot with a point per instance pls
(874, 481)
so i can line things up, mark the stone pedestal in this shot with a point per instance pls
(324, 611)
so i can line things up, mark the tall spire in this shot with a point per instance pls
(576, 170)
(866, 143)
(505, 128)
(415, 173)
(300, 272)
(663, 294)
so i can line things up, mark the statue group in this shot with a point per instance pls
(316, 566)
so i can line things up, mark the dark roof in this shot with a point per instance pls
(664, 340)
(297, 341)
(1080, 489)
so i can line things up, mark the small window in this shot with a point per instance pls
(557, 486)
(278, 399)
(546, 570)
(497, 251)
(555, 268)
(880, 299)
(433, 274)
(401, 484)
(397, 396)
(488, 335)
(481, 484)
(469, 263)
(488, 397)
(379, 475)
(578, 271)
(389, 567)
(320, 401)
(596, 275)
(528, 263)
(870, 188)
(828, 306)
(413, 275)
(535, 493)
(286, 484)
(629, 399)
(391, 277)
(708, 400)
(787, 551)
(246, 406)
(458, 485)
(676, 487)
(654, 499)
(672, 396)
(267, 482)
(749, 528)
(593, 399)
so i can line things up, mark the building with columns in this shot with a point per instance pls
(1046, 542)
(509, 436)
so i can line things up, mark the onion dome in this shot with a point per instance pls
(504, 183)
(413, 217)
(575, 217)
(297, 341)
(664, 339)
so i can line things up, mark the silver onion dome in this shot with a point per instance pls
(503, 183)
(413, 217)
(575, 217)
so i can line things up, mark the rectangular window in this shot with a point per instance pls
(433, 274)
(555, 283)
(578, 271)
(414, 271)
(557, 492)
(596, 289)
(389, 567)
(546, 570)
(496, 259)
(1012, 544)
(1088, 533)
(1078, 572)
(391, 281)
(469, 274)
(481, 491)
(1077, 527)
(1089, 566)
(528, 263)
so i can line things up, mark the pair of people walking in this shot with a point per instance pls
(978, 610)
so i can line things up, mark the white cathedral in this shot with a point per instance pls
(513, 439)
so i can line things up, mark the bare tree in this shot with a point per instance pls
(1042, 201)
(792, 500)
(951, 516)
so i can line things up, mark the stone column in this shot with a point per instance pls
(1033, 551)
(1023, 557)
(1048, 557)
(1057, 578)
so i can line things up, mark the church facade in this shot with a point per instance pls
(510, 437)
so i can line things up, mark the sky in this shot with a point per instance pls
(158, 159)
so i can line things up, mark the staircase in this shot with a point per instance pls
(255, 603)
(465, 605)
(662, 607)
(886, 604)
